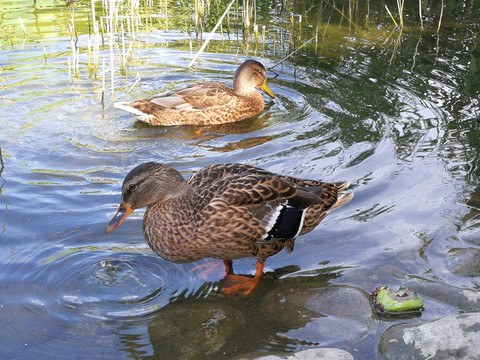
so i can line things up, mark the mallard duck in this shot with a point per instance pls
(225, 211)
(206, 103)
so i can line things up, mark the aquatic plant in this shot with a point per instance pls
(280, 31)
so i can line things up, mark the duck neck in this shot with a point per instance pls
(251, 94)
(178, 187)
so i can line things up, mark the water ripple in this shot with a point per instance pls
(103, 281)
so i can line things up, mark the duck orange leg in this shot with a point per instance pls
(242, 285)
(211, 267)
(228, 266)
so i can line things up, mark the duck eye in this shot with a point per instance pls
(132, 187)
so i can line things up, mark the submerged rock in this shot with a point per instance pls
(464, 261)
(451, 337)
(325, 316)
(192, 332)
(310, 354)
(275, 323)
(447, 298)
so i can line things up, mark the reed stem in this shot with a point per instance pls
(23, 27)
(420, 13)
(440, 20)
(197, 55)
(293, 52)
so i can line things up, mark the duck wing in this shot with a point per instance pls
(253, 196)
(240, 185)
(197, 96)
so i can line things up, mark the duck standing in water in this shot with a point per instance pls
(225, 211)
(206, 103)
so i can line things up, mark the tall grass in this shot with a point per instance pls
(117, 25)
(114, 31)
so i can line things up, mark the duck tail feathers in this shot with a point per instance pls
(342, 200)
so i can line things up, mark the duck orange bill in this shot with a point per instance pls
(265, 88)
(122, 213)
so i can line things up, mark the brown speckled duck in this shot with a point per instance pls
(225, 211)
(206, 103)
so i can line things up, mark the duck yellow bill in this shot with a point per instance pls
(265, 88)
(122, 213)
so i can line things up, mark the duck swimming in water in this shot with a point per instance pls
(206, 103)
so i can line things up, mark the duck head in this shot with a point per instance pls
(145, 185)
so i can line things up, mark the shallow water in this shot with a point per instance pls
(405, 138)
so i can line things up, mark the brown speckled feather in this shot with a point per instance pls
(206, 103)
(226, 211)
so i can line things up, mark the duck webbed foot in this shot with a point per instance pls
(242, 285)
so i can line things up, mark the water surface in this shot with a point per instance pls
(399, 125)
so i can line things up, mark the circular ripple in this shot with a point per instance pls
(108, 281)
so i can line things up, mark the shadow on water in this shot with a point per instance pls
(201, 136)
(215, 322)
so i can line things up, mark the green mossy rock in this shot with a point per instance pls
(390, 301)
